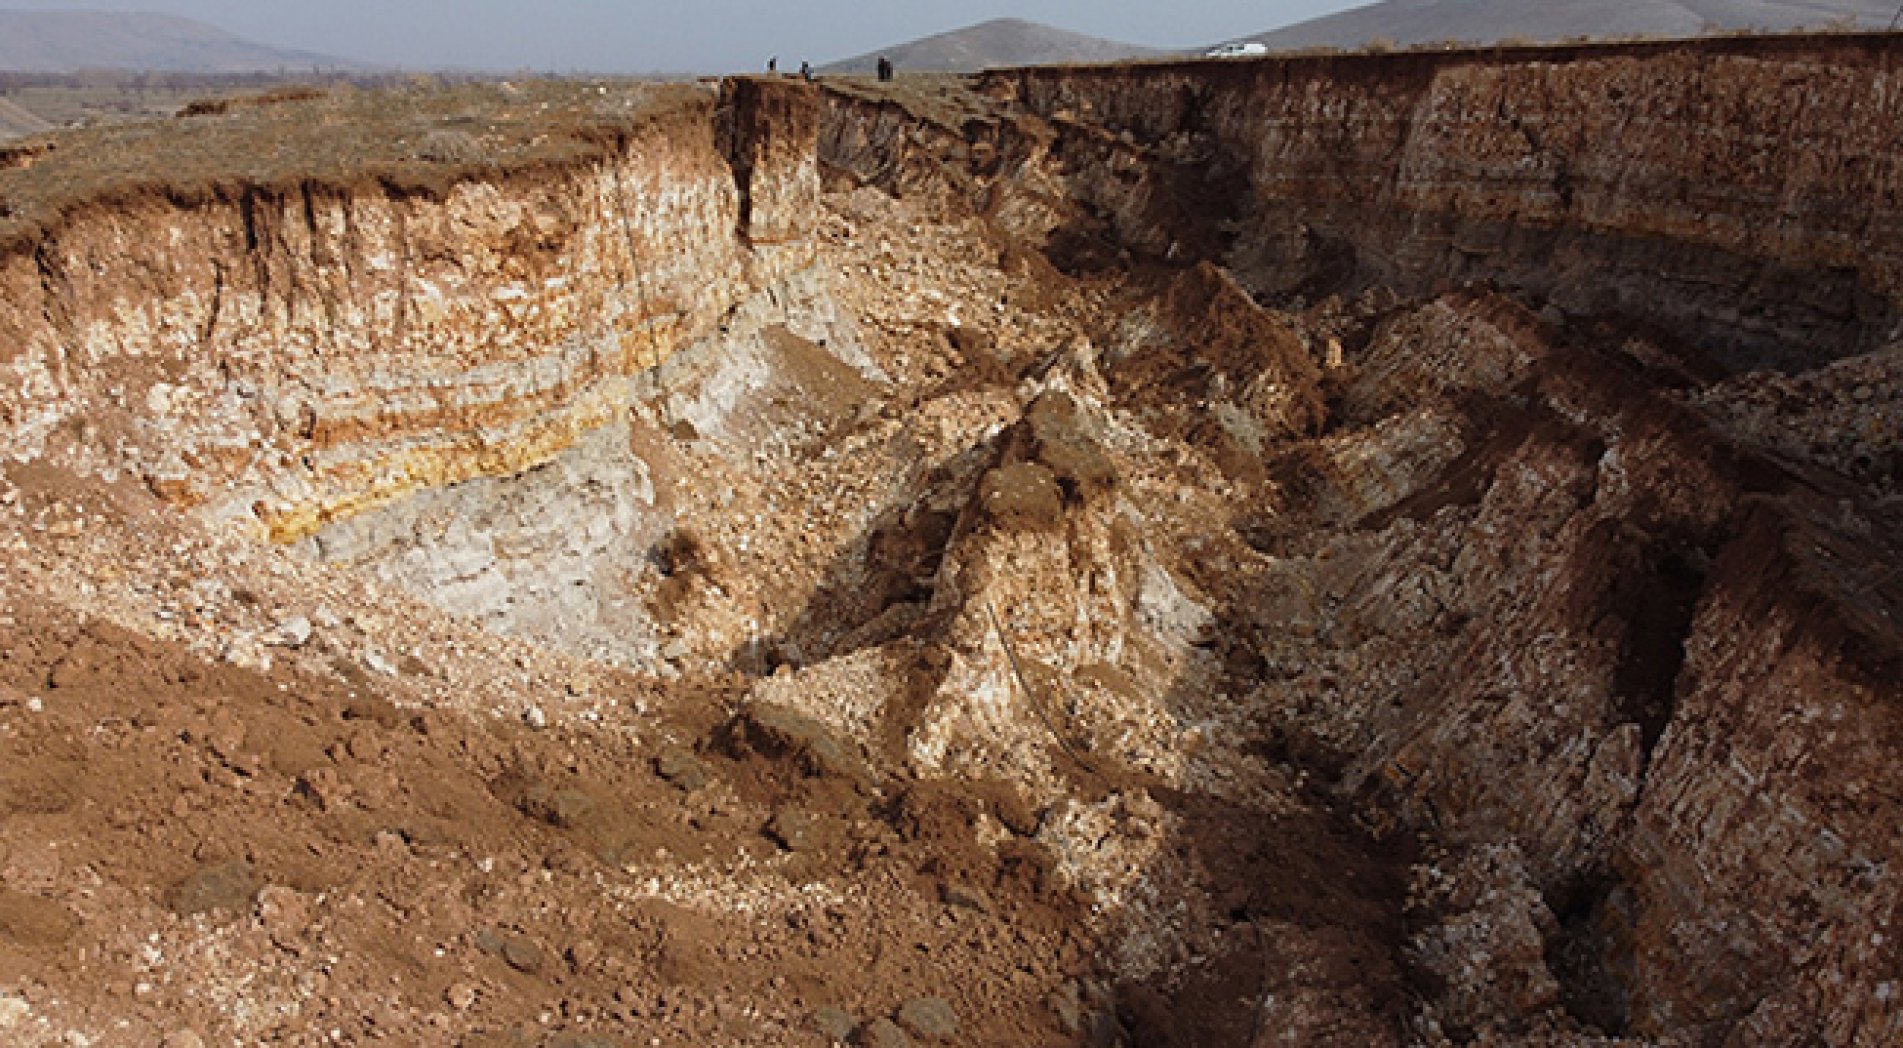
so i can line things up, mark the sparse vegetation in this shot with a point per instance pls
(115, 96)
(272, 97)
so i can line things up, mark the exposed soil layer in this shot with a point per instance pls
(1061, 557)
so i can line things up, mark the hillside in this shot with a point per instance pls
(64, 41)
(1000, 42)
(1406, 22)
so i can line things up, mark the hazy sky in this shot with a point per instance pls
(711, 36)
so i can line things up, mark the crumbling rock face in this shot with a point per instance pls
(768, 133)
(1710, 187)
(1233, 553)
(286, 359)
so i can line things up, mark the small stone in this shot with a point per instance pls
(285, 915)
(680, 767)
(14, 1012)
(461, 996)
(1068, 1008)
(929, 1018)
(182, 1039)
(564, 809)
(521, 953)
(517, 951)
(294, 632)
(583, 954)
(775, 731)
(226, 736)
(964, 897)
(793, 829)
(226, 886)
(365, 745)
(535, 718)
(883, 1033)
(1015, 815)
(378, 664)
(835, 1024)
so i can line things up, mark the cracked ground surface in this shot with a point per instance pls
(1102, 650)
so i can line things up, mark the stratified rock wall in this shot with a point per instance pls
(1744, 193)
(290, 358)
(1764, 849)
(1587, 628)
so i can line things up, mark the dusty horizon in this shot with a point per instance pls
(718, 36)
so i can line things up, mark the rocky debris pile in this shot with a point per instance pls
(1846, 418)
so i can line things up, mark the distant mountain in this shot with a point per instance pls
(66, 41)
(1002, 42)
(1407, 22)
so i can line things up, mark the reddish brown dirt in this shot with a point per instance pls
(177, 837)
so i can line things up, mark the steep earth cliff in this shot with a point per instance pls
(1375, 550)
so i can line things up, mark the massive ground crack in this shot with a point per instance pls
(1063, 565)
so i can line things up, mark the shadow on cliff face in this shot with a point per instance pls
(1643, 515)
(1310, 908)
(1390, 724)
(1175, 203)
